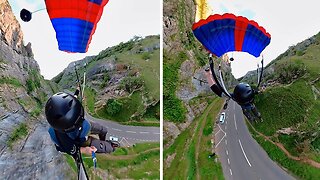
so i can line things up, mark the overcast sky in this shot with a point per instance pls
(120, 21)
(288, 22)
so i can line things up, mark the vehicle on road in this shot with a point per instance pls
(112, 138)
(222, 117)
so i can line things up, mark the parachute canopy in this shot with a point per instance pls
(75, 22)
(220, 34)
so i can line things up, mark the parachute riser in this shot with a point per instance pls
(215, 77)
(261, 73)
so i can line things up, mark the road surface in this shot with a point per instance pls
(129, 135)
(241, 156)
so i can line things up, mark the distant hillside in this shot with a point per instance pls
(290, 107)
(122, 82)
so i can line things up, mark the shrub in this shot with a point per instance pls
(113, 106)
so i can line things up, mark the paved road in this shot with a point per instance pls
(129, 135)
(241, 156)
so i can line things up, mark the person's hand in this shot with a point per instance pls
(209, 78)
(88, 150)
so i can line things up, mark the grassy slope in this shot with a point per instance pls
(293, 106)
(141, 161)
(150, 73)
(184, 149)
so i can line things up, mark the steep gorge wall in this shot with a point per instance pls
(23, 92)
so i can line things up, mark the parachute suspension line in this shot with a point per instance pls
(261, 73)
(78, 80)
(38, 10)
(82, 173)
(222, 82)
(84, 79)
(258, 75)
(215, 77)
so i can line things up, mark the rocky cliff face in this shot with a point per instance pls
(22, 94)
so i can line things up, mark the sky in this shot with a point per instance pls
(121, 20)
(288, 21)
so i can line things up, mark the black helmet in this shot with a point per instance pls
(243, 93)
(64, 112)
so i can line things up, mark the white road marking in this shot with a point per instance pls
(156, 133)
(131, 132)
(227, 152)
(226, 122)
(235, 122)
(144, 132)
(217, 133)
(220, 141)
(226, 142)
(230, 172)
(244, 153)
(228, 161)
(234, 105)
(116, 129)
(225, 127)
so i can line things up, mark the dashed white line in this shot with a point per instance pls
(156, 133)
(244, 153)
(227, 152)
(228, 161)
(230, 172)
(131, 132)
(116, 129)
(235, 122)
(226, 142)
(144, 132)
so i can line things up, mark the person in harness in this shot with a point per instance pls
(69, 130)
(243, 94)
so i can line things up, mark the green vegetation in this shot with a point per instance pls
(13, 81)
(300, 169)
(191, 147)
(139, 162)
(20, 132)
(130, 105)
(90, 95)
(142, 82)
(173, 108)
(113, 106)
(131, 83)
(152, 113)
(293, 105)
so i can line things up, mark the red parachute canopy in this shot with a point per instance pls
(220, 34)
(75, 22)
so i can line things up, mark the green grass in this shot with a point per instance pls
(283, 106)
(20, 132)
(183, 166)
(173, 108)
(130, 105)
(301, 170)
(12, 81)
(143, 165)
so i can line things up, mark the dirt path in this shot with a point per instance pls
(288, 154)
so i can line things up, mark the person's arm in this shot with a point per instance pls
(77, 92)
(212, 84)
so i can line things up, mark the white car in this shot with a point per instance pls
(222, 117)
(112, 138)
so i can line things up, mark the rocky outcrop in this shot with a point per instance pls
(22, 94)
(11, 33)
